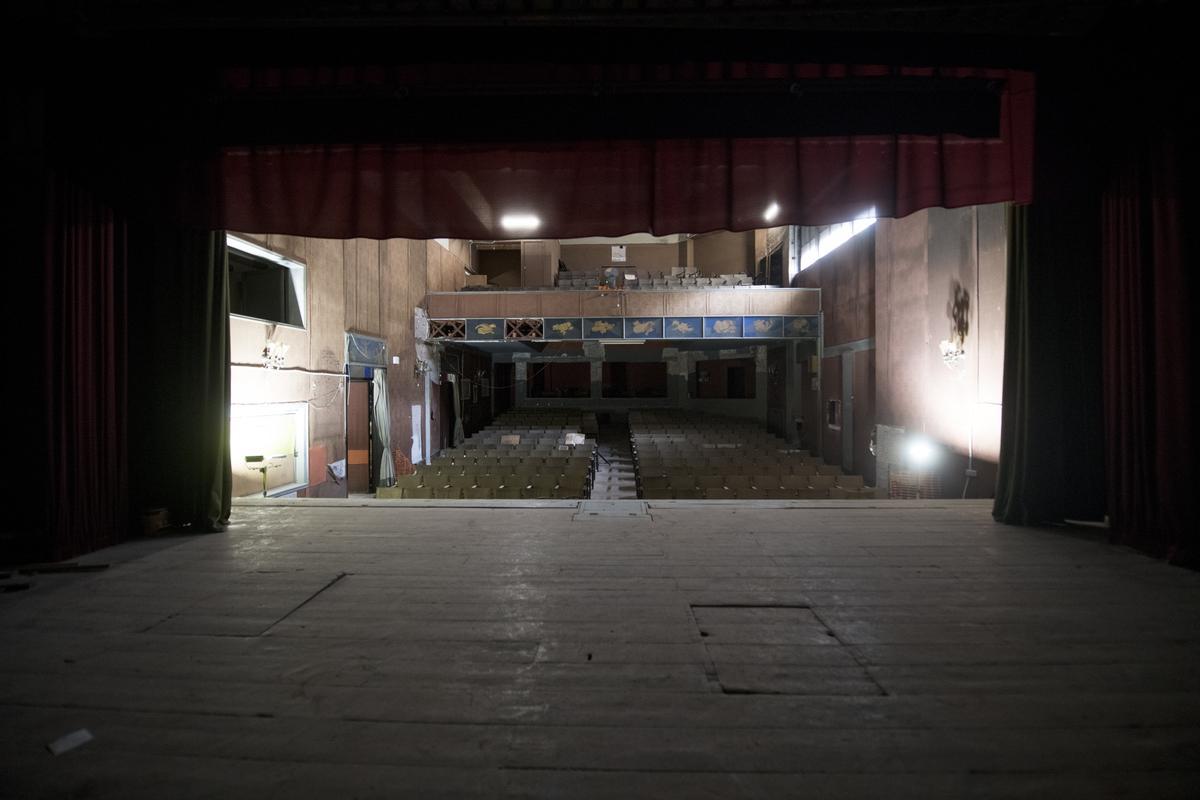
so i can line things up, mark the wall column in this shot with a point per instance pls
(791, 391)
(761, 384)
(597, 387)
(520, 371)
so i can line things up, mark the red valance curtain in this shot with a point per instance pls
(618, 186)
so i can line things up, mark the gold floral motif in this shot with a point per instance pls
(682, 327)
(600, 326)
(563, 328)
(763, 325)
(724, 326)
(643, 326)
(485, 329)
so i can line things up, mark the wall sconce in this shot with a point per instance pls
(274, 353)
(421, 369)
(959, 312)
(952, 351)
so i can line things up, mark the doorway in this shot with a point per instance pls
(358, 436)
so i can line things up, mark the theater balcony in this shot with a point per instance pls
(735, 312)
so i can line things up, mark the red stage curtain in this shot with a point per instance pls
(84, 373)
(613, 187)
(1148, 346)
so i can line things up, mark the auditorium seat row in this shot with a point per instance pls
(525, 453)
(691, 455)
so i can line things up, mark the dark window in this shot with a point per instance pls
(634, 379)
(572, 379)
(725, 379)
(262, 289)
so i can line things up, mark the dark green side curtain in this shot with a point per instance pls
(1051, 443)
(1051, 450)
(180, 392)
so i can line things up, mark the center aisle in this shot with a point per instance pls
(615, 476)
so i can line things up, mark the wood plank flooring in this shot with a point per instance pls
(898, 650)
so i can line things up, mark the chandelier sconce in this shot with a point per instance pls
(274, 353)
(958, 309)
(952, 351)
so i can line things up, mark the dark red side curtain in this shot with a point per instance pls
(618, 186)
(1148, 351)
(84, 373)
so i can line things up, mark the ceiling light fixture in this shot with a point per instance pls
(520, 222)
(771, 213)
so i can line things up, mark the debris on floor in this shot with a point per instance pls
(69, 742)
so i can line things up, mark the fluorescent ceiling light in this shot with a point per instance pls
(772, 212)
(520, 222)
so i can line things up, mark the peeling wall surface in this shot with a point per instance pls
(361, 285)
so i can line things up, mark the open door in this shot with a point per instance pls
(358, 436)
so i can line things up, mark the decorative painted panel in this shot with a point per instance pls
(603, 328)
(762, 327)
(485, 329)
(722, 327)
(562, 328)
(683, 327)
(802, 327)
(643, 327)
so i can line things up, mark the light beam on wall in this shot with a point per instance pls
(832, 237)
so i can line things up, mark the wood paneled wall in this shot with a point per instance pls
(367, 286)
(724, 253)
(846, 278)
